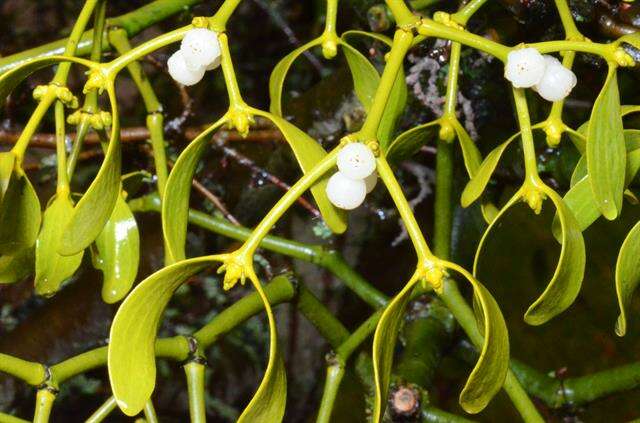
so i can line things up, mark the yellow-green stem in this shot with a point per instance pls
(528, 147)
(233, 90)
(44, 402)
(195, 385)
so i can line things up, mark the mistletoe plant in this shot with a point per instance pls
(52, 244)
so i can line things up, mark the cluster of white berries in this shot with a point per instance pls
(356, 176)
(528, 68)
(199, 52)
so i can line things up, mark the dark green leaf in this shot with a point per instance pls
(20, 214)
(16, 267)
(408, 143)
(365, 77)
(118, 253)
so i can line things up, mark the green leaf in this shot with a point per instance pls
(579, 137)
(131, 353)
(52, 268)
(567, 278)
(7, 163)
(478, 183)
(365, 76)
(175, 206)
(605, 149)
(490, 371)
(627, 275)
(11, 79)
(579, 172)
(269, 401)
(384, 343)
(409, 142)
(309, 152)
(279, 73)
(470, 153)
(20, 214)
(628, 109)
(16, 267)
(118, 253)
(96, 205)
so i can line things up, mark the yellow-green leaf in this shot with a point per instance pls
(16, 267)
(365, 77)
(118, 253)
(131, 354)
(175, 206)
(309, 152)
(567, 278)
(384, 343)
(7, 163)
(605, 149)
(279, 73)
(478, 183)
(470, 153)
(490, 371)
(20, 214)
(627, 275)
(52, 268)
(409, 142)
(269, 401)
(96, 205)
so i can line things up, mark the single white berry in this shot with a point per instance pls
(356, 161)
(180, 72)
(371, 181)
(344, 192)
(524, 67)
(201, 49)
(557, 81)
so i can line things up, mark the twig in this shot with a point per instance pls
(215, 201)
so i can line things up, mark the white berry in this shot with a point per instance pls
(356, 161)
(524, 67)
(180, 72)
(557, 81)
(344, 192)
(201, 49)
(371, 181)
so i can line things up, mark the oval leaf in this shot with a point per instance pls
(409, 142)
(478, 183)
(627, 275)
(384, 344)
(96, 205)
(605, 149)
(118, 253)
(131, 353)
(279, 73)
(175, 206)
(52, 268)
(20, 214)
(309, 152)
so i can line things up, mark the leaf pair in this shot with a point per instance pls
(566, 282)
(175, 207)
(131, 354)
(488, 375)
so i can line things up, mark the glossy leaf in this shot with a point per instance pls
(131, 354)
(567, 278)
(365, 76)
(478, 183)
(627, 275)
(52, 268)
(20, 214)
(409, 142)
(605, 149)
(7, 163)
(118, 253)
(279, 73)
(269, 401)
(490, 371)
(96, 205)
(16, 267)
(309, 152)
(384, 344)
(9, 80)
(175, 206)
